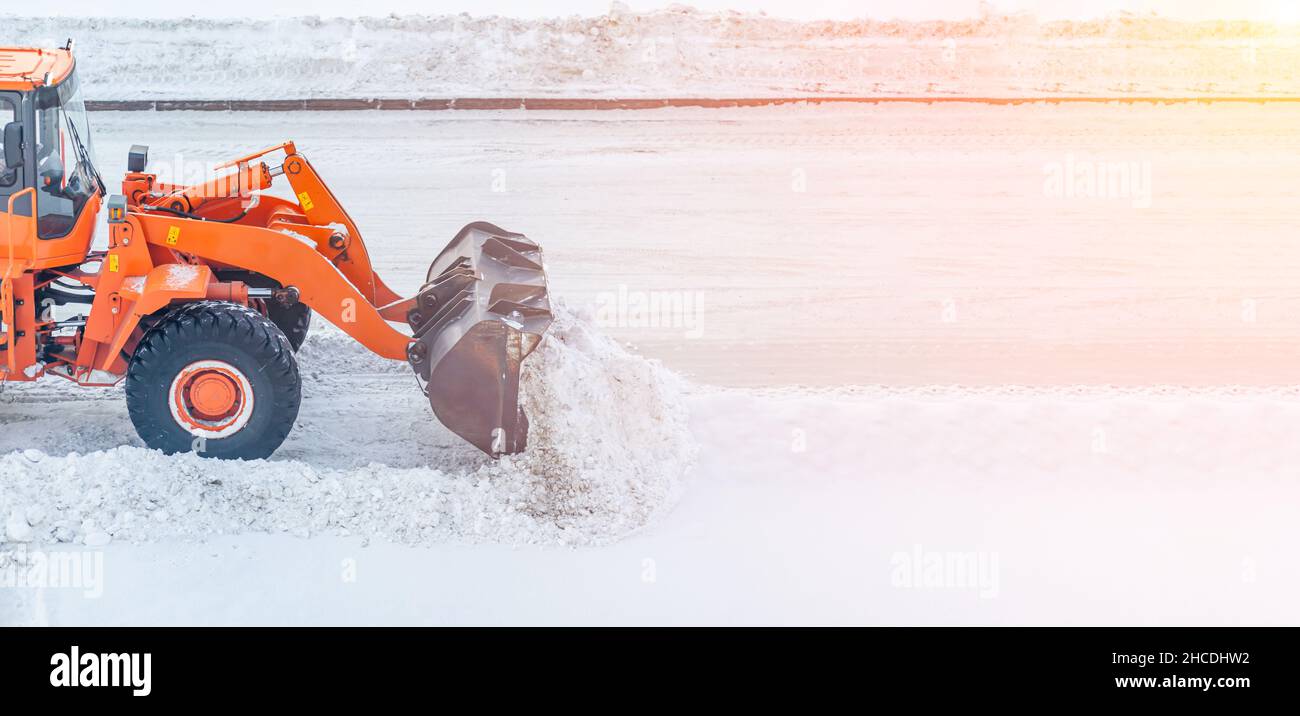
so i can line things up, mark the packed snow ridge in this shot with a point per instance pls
(608, 448)
(676, 52)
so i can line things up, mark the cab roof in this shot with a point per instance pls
(24, 68)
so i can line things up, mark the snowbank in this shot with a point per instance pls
(676, 52)
(609, 444)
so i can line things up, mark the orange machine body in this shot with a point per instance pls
(171, 244)
(24, 68)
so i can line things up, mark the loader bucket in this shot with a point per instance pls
(482, 310)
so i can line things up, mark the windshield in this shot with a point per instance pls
(65, 178)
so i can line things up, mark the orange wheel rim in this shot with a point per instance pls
(211, 399)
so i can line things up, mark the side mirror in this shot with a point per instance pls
(13, 144)
(137, 158)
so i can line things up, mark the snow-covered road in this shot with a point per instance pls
(896, 247)
(897, 244)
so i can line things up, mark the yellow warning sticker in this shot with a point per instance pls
(112, 263)
(173, 233)
(305, 200)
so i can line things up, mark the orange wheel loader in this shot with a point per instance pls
(204, 292)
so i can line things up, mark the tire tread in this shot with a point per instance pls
(222, 322)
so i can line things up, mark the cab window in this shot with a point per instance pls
(8, 113)
(64, 180)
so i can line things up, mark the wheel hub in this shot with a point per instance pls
(211, 399)
(213, 395)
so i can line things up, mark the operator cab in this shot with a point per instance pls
(47, 148)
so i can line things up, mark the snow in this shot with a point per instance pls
(179, 276)
(595, 471)
(1098, 398)
(17, 529)
(800, 504)
(102, 377)
(299, 237)
(674, 52)
(917, 239)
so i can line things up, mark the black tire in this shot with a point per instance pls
(293, 320)
(238, 345)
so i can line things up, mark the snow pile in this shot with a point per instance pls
(596, 411)
(608, 446)
(678, 51)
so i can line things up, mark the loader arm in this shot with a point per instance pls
(292, 262)
(316, 207)
(322, 208)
